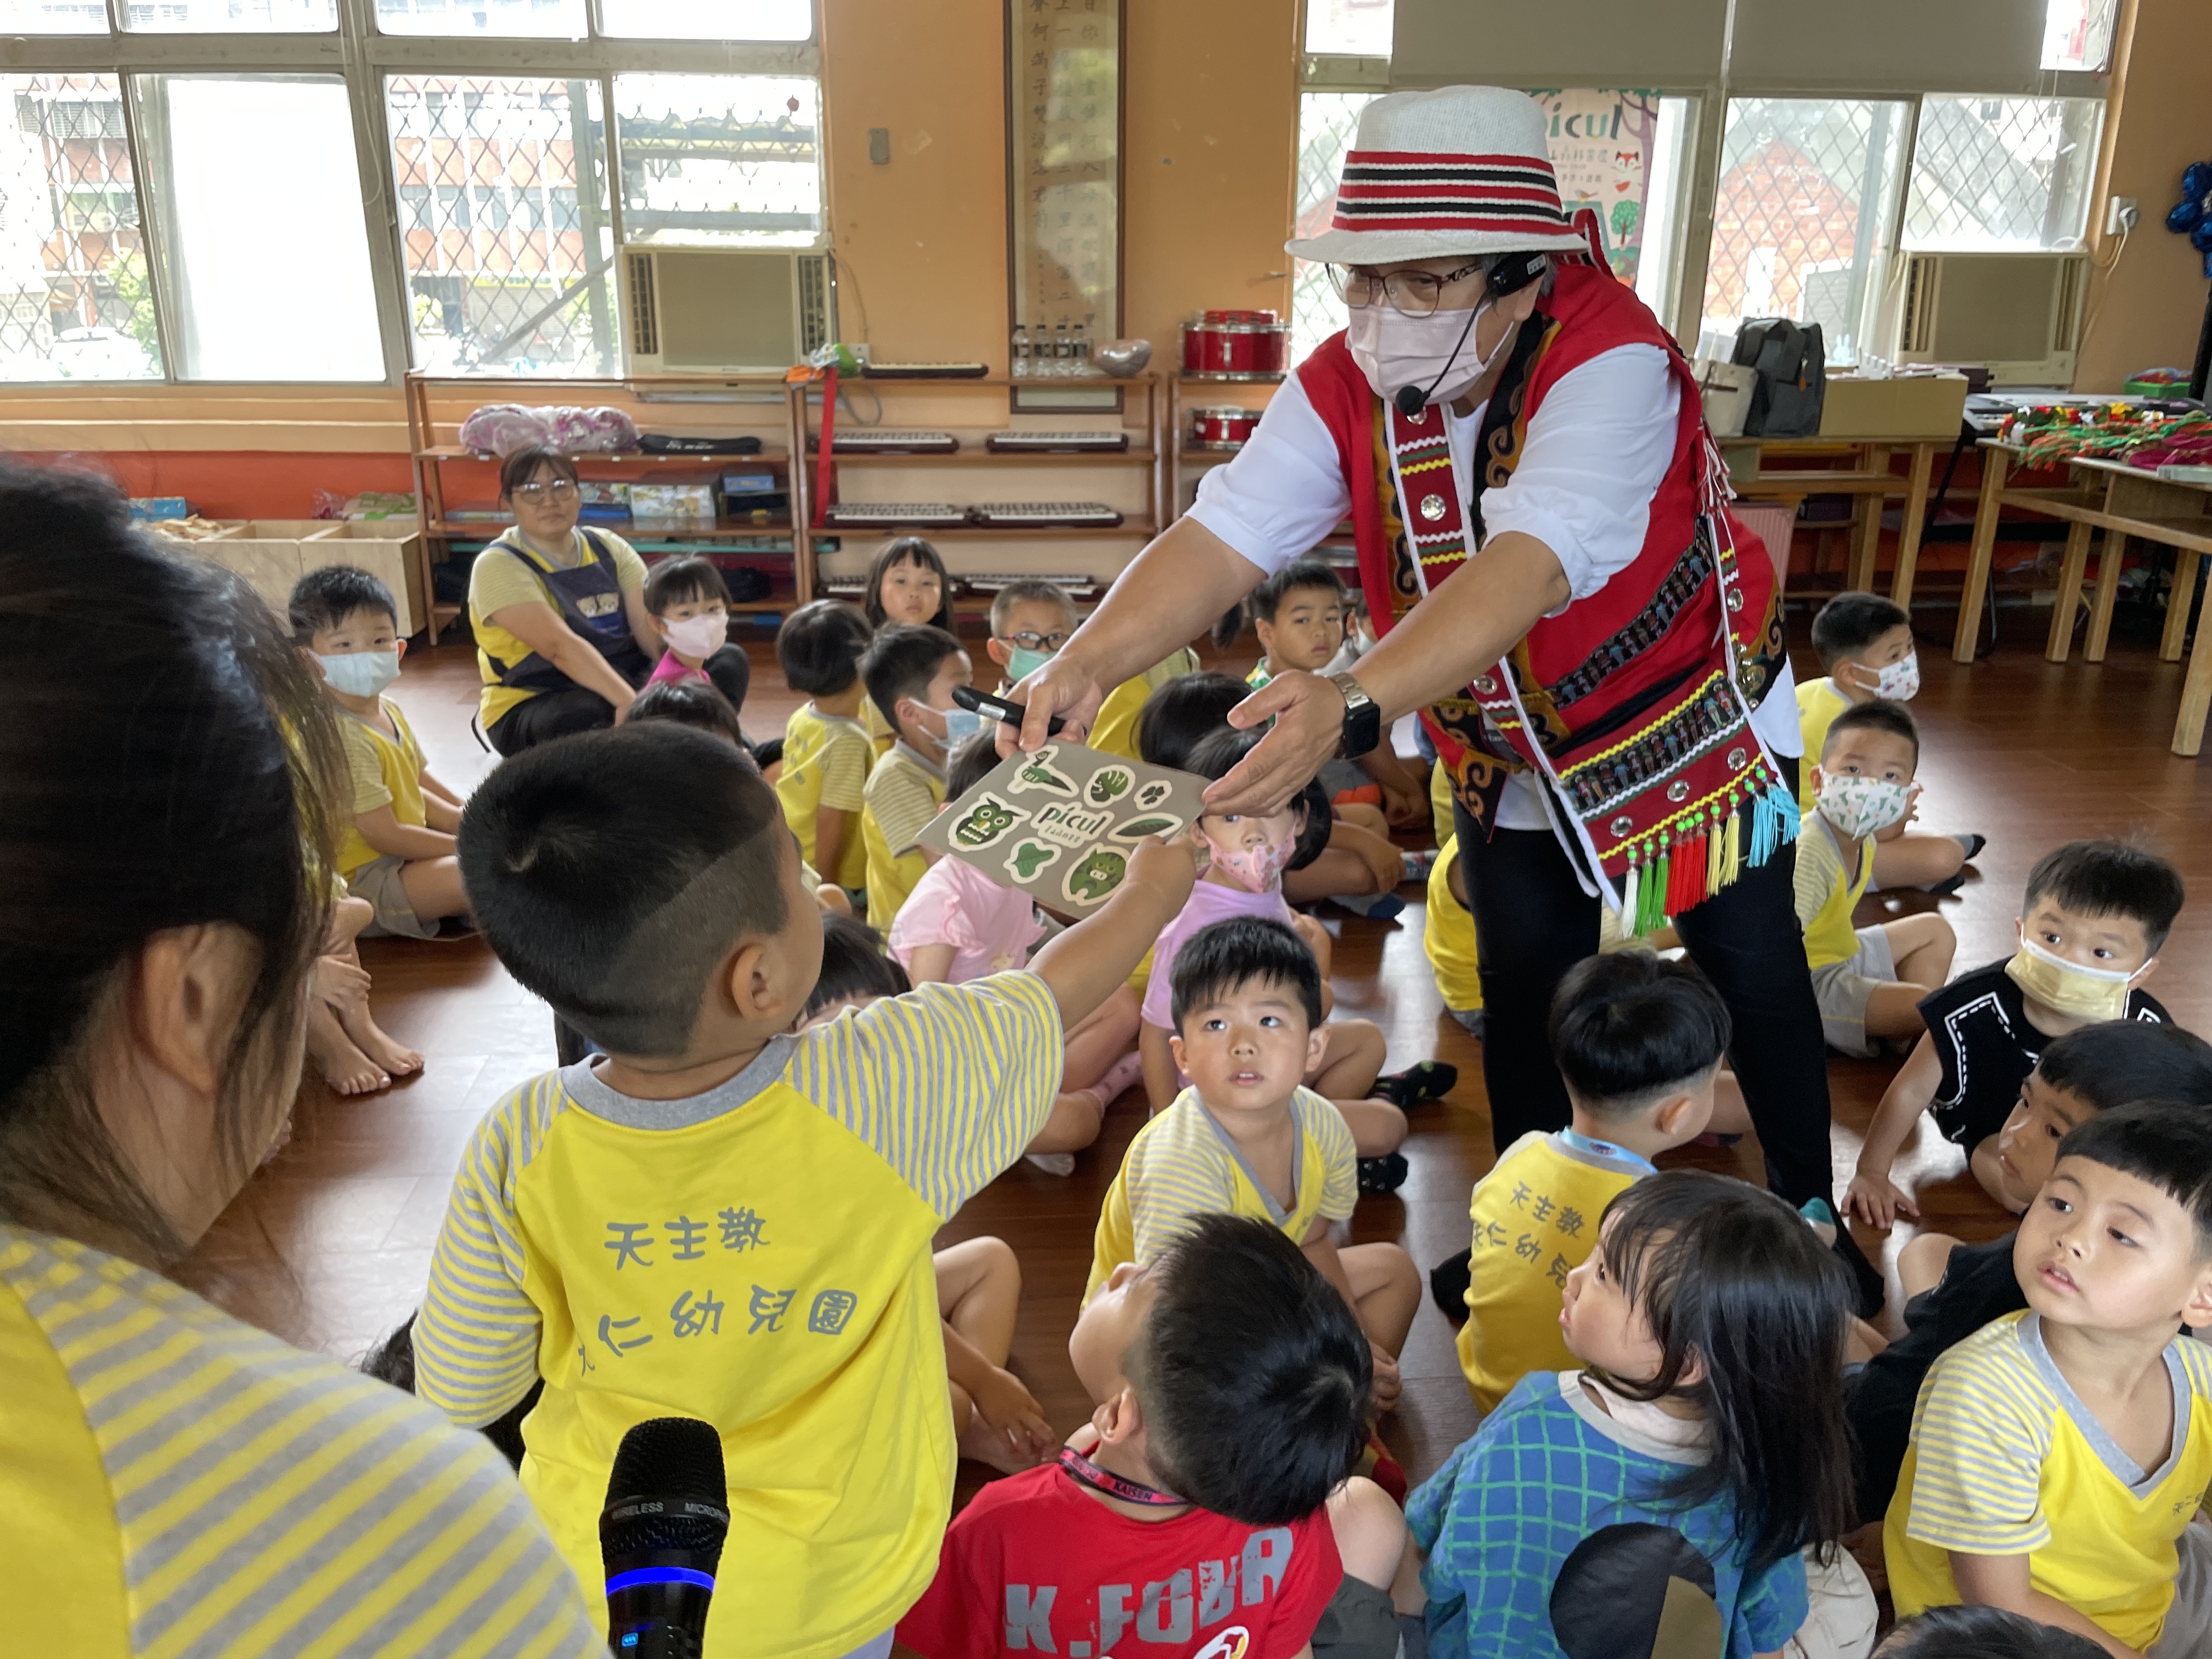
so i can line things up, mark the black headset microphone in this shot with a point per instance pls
(661, 1536)
(1509, 276)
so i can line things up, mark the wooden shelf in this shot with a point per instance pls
(486, 530)
(996, 458)
(989, 532)
(632, 457)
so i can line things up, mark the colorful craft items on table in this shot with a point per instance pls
(2049, 433)
(1062, 824)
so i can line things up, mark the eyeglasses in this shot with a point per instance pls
(558, 490)
(1410, 293)
(1029, 641)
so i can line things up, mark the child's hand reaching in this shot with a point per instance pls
(1168, 865)
(1404, 804)
(1875, 1199)
(341, 984)
(1013, 1412)
(1387, 1385)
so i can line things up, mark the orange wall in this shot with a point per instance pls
(2147, 312)
(241, 483)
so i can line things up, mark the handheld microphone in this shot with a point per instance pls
(660, 1537)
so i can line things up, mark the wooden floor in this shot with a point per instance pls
(330, 1246)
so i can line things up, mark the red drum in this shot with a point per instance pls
(1236, 345)
(1223, 429)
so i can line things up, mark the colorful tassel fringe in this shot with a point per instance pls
(1704, 853)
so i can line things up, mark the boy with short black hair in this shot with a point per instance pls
(1639, 1043)
(719, 1217)
(1206, 1503)
(2059, 1455)
(1865, 644)
(910, 670)
(1952, 1290)
(1030, 620)
(1869, 981)
(1246, 1136)
(827, 751)
(397, 850)
(2094, 916)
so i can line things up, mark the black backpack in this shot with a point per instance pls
(1791, 361)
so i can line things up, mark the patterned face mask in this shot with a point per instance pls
(1900, 681)
(1255, 865)
(1860, 806)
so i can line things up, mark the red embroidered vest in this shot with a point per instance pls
(1633, 703)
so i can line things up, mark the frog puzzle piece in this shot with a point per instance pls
(1029, 859)
(985, 823)
(1153, 793)
(1040, 775)
(1107, 785)
(1095, 876)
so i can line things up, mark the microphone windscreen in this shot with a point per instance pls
(667, 1492)
(1411, 400)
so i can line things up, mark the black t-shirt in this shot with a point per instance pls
(1978, 1024)
(1979, 1284)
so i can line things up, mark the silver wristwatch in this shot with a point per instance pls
(1363, 716)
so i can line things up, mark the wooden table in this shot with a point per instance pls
(1866, 474)
(2122, 501)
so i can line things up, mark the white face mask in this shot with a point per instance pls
(1859, 807)
(1898, 681)
(1395, 351)
(361, 673)
(698, 636)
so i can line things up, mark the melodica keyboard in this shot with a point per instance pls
(876, 440)
(1045, 515)
(888, 515)
(1048, 443)
(963, 371)
(1081, 586)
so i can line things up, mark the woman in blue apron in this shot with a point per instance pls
(563, 637)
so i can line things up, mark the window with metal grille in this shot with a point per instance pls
(1999, 174)
(719, 158)
(1327, 122)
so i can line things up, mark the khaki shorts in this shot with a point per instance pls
(378, 881)
(1842, 989)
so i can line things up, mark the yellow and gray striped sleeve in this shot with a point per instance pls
(1174, 1171)
(364, 768)
(1818, 868)
(948, 1082)
(1980, 1437)
(845, 762)
(270, 1502)
(903, 800)
(476, 1340)
(1340, 1157)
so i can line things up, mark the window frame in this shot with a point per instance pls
(361, 55)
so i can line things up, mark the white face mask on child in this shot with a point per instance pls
(361, 673)
(1858, 806)
(697, 637)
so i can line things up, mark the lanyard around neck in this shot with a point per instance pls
(1082, 1469)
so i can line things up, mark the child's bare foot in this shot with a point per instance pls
(343, 1064)
(378, 1047)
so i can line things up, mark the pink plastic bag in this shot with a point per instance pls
(502, 429)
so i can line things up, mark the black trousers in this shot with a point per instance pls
(551, 714)
(1533, 922)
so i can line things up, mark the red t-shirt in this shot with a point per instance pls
(1037, 1564)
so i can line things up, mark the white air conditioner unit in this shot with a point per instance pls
(2018, 314)
(725, 311)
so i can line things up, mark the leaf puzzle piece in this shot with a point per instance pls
(1029, 858)
(1153, 793)
(1107, 785)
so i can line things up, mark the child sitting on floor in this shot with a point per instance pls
(827, 750)
(1865, 644)
(1700, 1448)
(1869, 982)
(2094, 916)
(690, 603)
(1300, 614)
(2059, 1455)
(396, 848)
(1204, 1508)
(1243, 877)
(755, 1205)
(959, 925)
(1030, 620)
(909, 671)
(1952, 1290)
(1245, 1137)
(1639, 1042)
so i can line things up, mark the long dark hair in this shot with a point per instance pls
(1730, 1277)
(908, 550)
(164, 756)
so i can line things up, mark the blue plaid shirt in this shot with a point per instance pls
(1544, 1471)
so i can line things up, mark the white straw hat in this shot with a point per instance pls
(1458, 170)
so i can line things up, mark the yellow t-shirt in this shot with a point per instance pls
(1182, 1164)
(879, 729)
(757, 1257)
(385, 772)
(502, 577)
(179, 1482)
(902, 794)
(1536, 1221)
(1819, 703)
(1448, 935)
(826, 762)
(2005, 1460)
(1440, 803)
(1828, 892)
(1115, 730)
